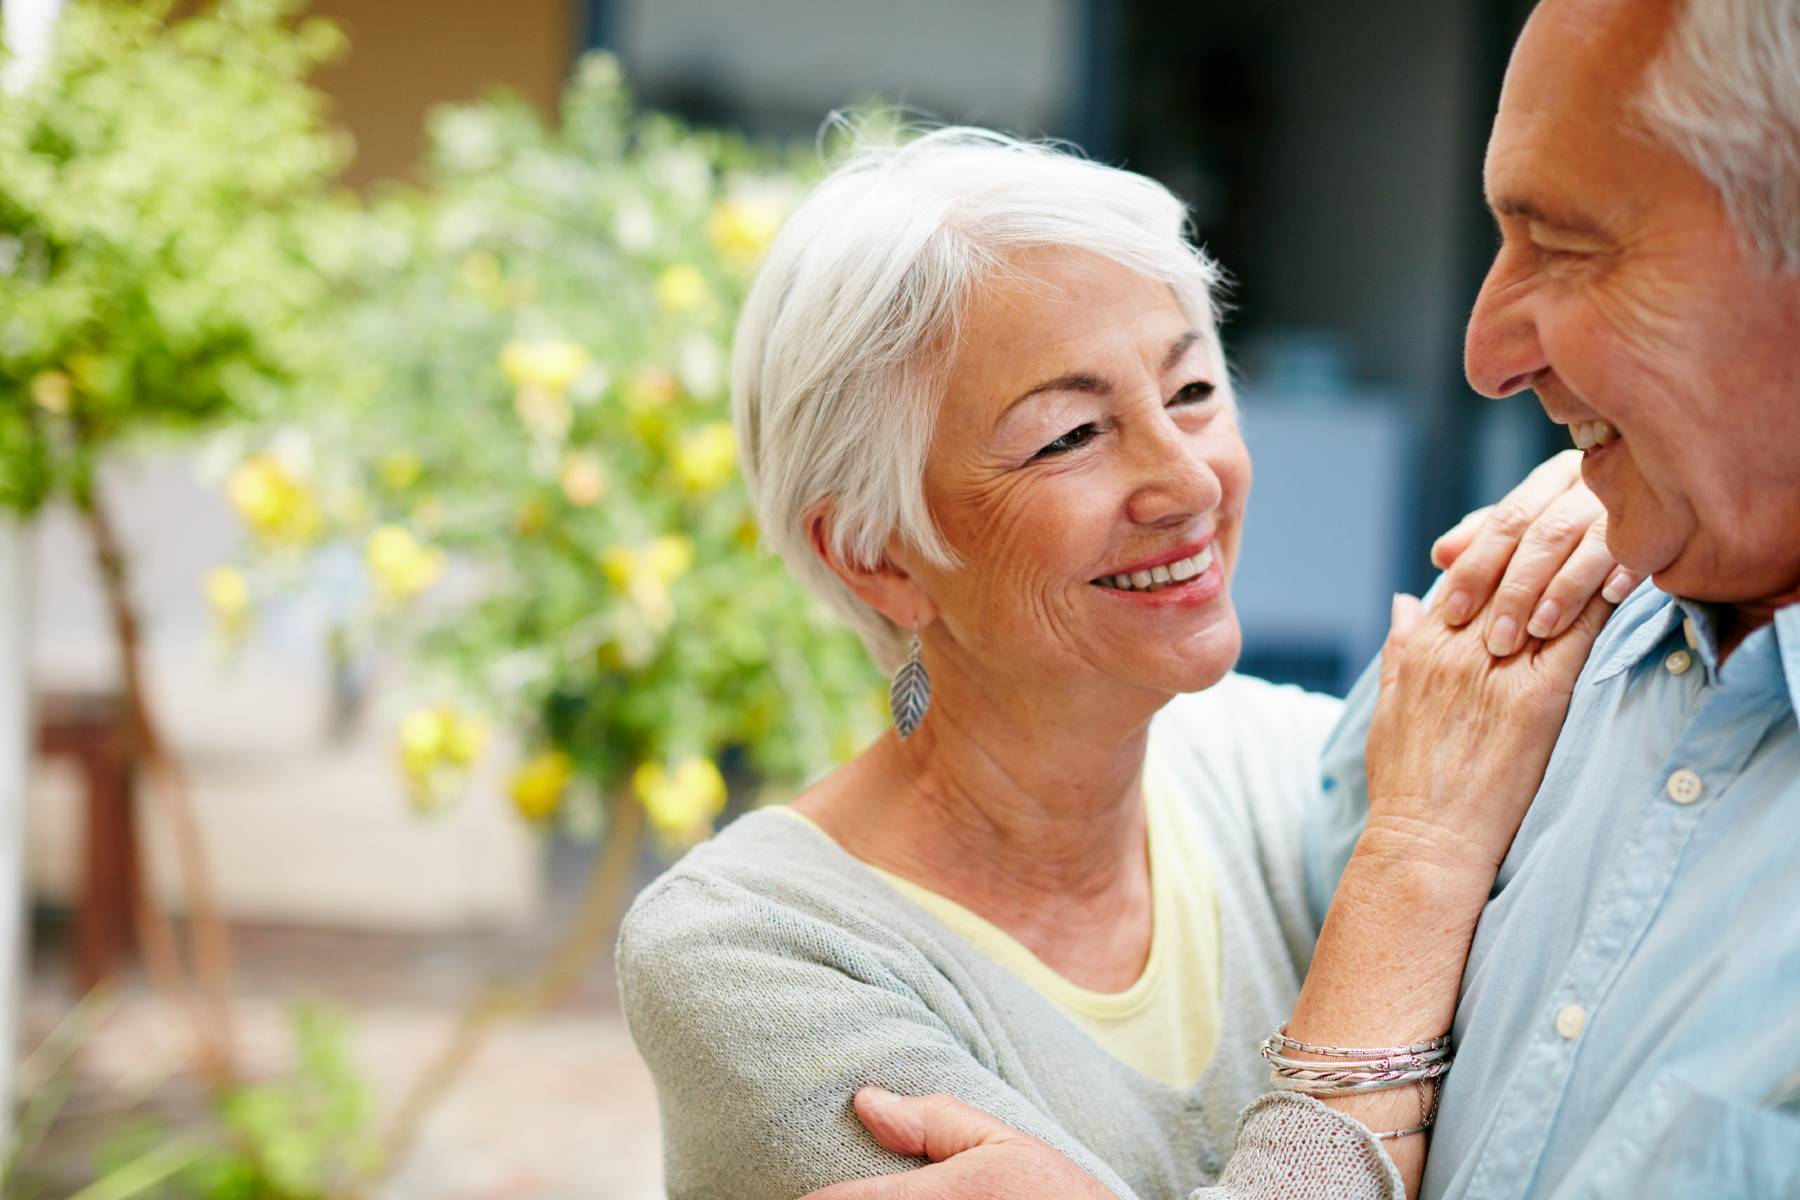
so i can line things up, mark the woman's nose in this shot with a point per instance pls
(1501, 351)
(1175, 480)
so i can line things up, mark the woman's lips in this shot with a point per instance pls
(1193, 592)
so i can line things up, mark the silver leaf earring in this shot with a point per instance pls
(910, 693)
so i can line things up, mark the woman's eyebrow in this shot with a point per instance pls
(1090, 384)
(1074, 381)
(1177, 348)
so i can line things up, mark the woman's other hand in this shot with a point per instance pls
(1540, 554)
(1460, 740)
(973, 1156)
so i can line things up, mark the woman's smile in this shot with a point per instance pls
(1188, 577)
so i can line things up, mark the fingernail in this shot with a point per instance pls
(1456, 608)
(1502, 636)
(1617, 588)
(1544, 619)
(878, 1094)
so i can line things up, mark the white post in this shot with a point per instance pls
(25, 26)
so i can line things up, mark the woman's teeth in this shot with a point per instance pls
(1160, 577)
(1588, 434)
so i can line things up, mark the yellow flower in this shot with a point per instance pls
(51, 391)
(400, 565)
(682, 288)
(228, 595)
(276, 504)
(682, 803)
(538, 786)
(399, 470)
(552, 366)
(436, 744)
(741, 228)
(645, 574)
(706, 458)
(583, 480)
(671, 556)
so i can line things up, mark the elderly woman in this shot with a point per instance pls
(984, 412)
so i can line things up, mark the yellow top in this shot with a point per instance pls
(1166, 1024)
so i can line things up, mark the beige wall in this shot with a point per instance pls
(407, 55)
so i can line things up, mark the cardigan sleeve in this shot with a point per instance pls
(1291, 1147)
(759, 1023)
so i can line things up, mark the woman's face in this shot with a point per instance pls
(1087, 442)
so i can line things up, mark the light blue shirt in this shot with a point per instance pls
(1630, 1018)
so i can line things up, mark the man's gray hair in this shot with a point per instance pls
(1725, 95)
(847, 335)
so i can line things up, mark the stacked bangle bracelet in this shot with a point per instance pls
(1351, 1070)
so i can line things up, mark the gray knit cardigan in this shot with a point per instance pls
(769, 974)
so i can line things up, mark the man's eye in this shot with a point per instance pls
(1072, 440)
(1194, 392)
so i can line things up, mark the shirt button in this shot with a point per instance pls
(1678, 662)
(1685, 787)
(1570, 1020)
(1690, 633)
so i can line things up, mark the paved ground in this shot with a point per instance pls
(559, 1108)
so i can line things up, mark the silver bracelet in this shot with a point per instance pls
(1389, 1063)
(1279, 1040)
(1352, 1070)
(1313, 1087)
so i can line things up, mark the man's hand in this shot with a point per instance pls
(973, 1156)
(1540, 553)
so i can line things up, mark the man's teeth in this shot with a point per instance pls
(1588, 434)
(1160, 577)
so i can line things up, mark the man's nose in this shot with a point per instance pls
(1501, 351)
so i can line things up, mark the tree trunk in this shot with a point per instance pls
(209, 997)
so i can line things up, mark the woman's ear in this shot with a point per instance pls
(885, 586)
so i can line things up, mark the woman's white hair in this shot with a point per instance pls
(844, 342)
(1724, 93)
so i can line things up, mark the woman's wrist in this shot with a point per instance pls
(1430, 855)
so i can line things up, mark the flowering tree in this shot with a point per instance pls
(165, 243)
(528, 457)
(531, 455)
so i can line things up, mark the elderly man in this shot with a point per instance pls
(1630, 1021)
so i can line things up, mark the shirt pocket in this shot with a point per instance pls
(1683, 1140)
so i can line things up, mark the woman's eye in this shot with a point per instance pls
(1196, 391)
(1072, 440)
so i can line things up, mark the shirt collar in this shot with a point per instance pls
(1648, 616)
(1636, 628)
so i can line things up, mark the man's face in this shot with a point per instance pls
(1620, 296)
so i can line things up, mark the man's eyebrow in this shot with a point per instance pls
(1531, 210)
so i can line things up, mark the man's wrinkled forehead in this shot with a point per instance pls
(1566, 131)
